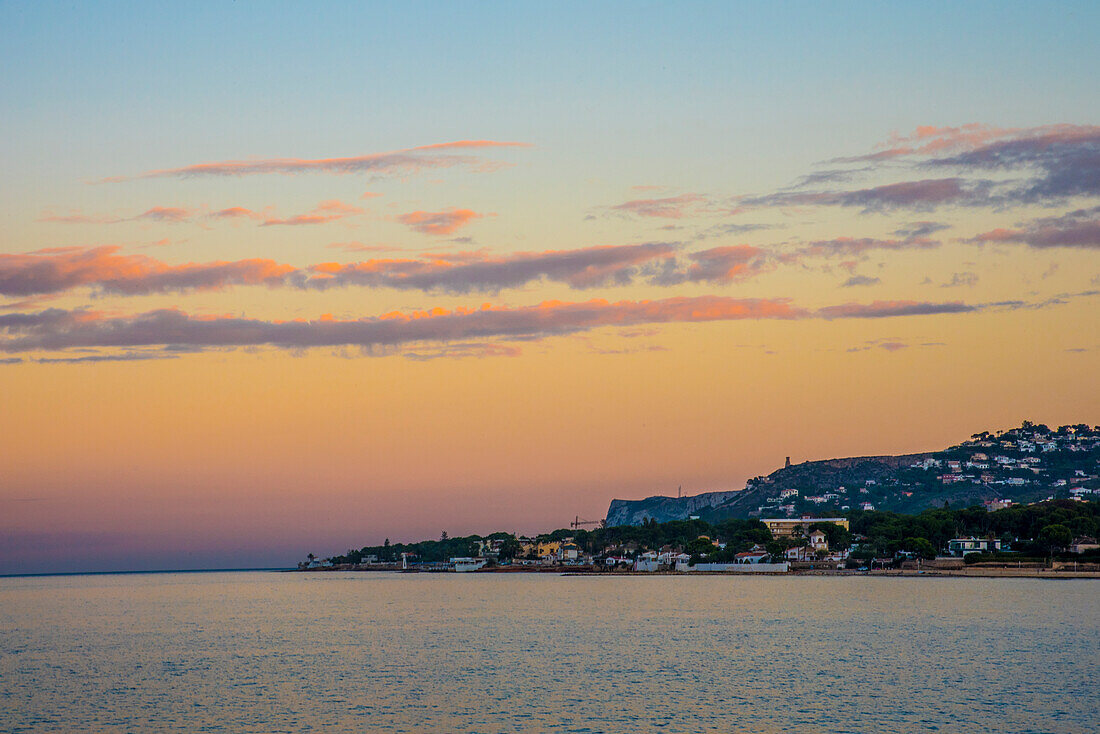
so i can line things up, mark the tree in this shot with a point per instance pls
(920, 546)
(443, 537)
(699, 547)
(1055, 536)
(510, 548)
(836, 535)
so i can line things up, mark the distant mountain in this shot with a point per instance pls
(633, 512)
(1022, 465)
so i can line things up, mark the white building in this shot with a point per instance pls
(962, 546)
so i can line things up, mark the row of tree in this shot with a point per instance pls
(1041, 528)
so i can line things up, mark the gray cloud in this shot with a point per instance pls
(968, 280)
(55, 329)
(581, 268)
(886, 309)
(920, 195)
(106, 268)
(716, 265)
(1076, 229)
(915, 230)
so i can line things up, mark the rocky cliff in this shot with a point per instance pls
(663, 509)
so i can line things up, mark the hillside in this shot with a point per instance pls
(633, 512)
(1022, 465)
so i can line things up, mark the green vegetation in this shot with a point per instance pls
(737, 535)
(1037, 531)
(1031, 529)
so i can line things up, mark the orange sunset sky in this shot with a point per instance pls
(268, 289)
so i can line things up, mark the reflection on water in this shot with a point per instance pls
(376, 652)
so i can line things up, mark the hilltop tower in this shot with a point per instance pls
(788, 464)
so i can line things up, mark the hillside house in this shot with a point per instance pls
(751, 556)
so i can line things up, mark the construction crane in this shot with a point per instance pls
(578, 522)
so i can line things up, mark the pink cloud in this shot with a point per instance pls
(166, 214)
(1079, 229)
(932, 140)
(235, 212)
(60, 269)
(439, 223)
(77, 218)
(57, 330)
(103, 267)
(326, 211)
(408, 160)
(464, 272)
(672, 207)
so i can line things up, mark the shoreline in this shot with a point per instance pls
(885, 573)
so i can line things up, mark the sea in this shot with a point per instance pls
(486, 653)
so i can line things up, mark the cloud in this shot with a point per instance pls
(1062, 160)
(162, 214)
(326, 211)
(834, 175)
(672, 207)
(887, 309)
(961, 279)
(915, 230)
(716, 265)
(408, 160)
(172, 214)
(438, 223)
(53, 271)
(235, 212)
(857, 280)
(59, 330)
(58, 270)
(929, 140)
(1077, 229)
(56, 329)
(95, 358)
(466, 272)
(892, 346)
(462, 351)
(856, 246)
(919, 195)
(360, 247)
(1066, 157)
(720, 230)
(77, 218)
(169, 214)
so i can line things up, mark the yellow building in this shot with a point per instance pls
(549, 548)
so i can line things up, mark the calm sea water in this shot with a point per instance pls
(375, 652)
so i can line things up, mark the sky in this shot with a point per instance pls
(279, 278)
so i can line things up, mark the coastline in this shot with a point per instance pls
(965, 572)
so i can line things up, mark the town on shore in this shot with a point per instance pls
(1054, 534)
